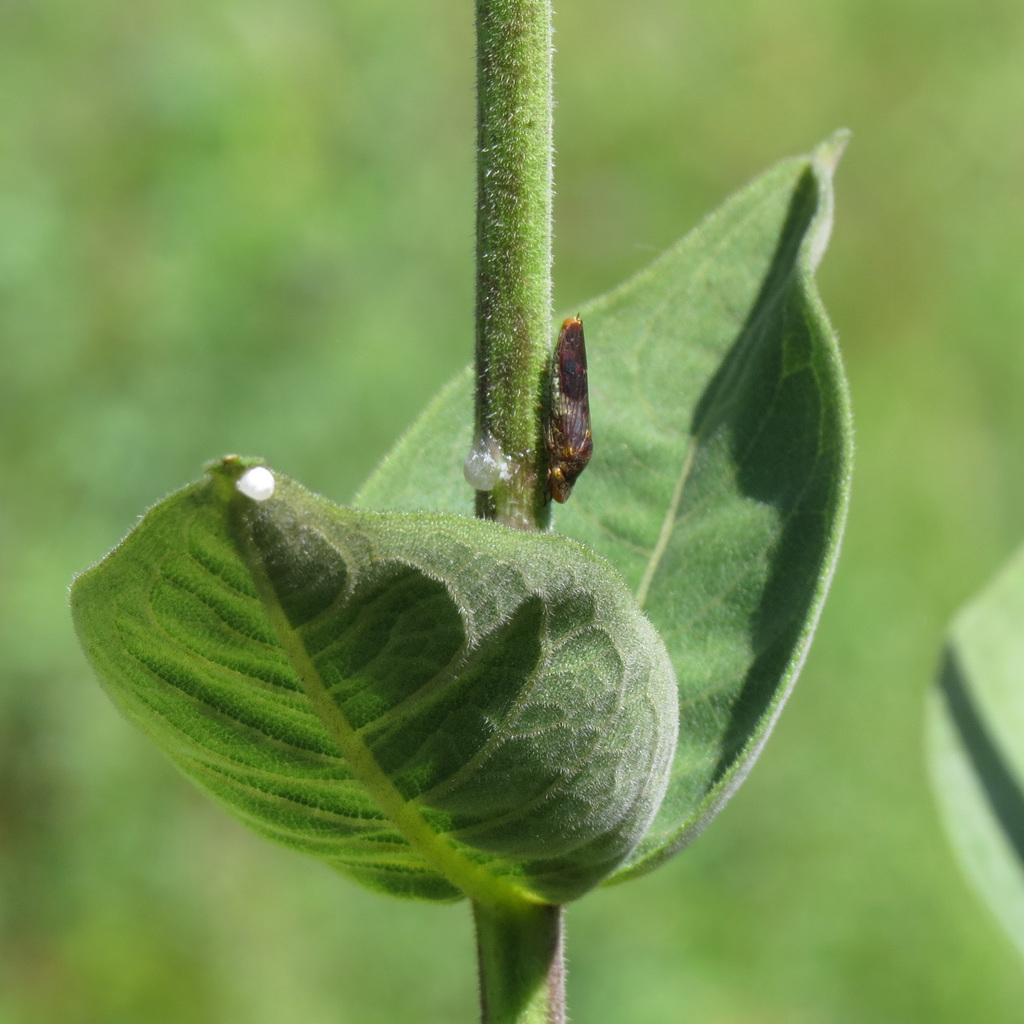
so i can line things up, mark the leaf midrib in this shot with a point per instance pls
(478, 884)
(668, 525)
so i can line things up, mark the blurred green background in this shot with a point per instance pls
(246, 225)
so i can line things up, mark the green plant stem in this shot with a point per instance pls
(513, 256)
(522, 977)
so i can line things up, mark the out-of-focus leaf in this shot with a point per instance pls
(720, 476)
(976, 744)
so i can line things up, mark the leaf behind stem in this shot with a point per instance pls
(720, 477)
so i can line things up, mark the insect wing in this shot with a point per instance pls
(569, 438)
(571, 358)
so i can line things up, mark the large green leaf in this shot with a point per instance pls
(432, 704)
(720, 475)
(976, 744)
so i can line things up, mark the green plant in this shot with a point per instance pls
(976, 744)
(441, 706)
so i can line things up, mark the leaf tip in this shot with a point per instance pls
(824, 160)
(247, 476)
(827, 155)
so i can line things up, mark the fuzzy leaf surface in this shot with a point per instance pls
(433, 705)
(720, 476)
(976, 744)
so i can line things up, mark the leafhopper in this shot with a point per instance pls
(568, 437)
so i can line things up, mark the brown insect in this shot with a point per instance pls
(568, 437)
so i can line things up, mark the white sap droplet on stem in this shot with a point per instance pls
(256, 483)
(485, 464)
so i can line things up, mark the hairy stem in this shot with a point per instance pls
(522, 977)
(513, 255)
